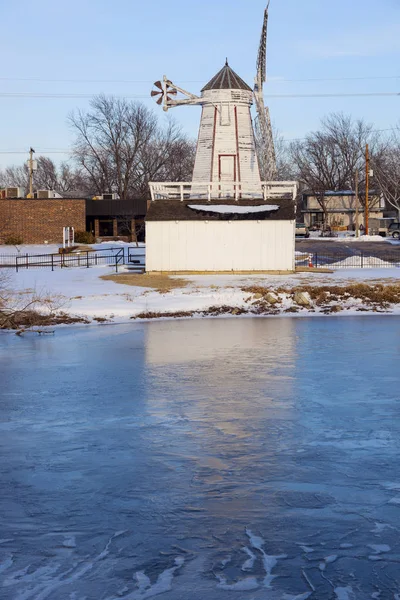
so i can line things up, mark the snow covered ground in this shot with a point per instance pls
(53, 248)
(84, 293)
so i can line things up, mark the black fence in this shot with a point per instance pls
(342, 260)
(113, 257)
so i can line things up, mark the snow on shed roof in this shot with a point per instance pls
(230, 209)
(188, 210)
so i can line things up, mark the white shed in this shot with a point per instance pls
(220, 236)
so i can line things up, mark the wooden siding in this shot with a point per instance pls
(226, 128)
(220, 246)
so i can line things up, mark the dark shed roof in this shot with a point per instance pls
(175, 210)
(117, 208)
(226, 79)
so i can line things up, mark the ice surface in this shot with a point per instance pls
(249, 583)
(139, 462)
(344, 593)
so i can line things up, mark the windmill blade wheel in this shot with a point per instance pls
(158, 93)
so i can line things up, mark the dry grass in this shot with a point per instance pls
(212, 311)
(30, 318)
(160, 283)
(376, 295)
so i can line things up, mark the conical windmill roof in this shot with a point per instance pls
(226, 79)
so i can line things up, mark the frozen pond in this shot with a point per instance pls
(206, 459)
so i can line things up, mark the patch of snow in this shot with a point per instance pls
(378, 548)
(307, 549)
(249, 564)
(226, 561)
(69, 542)
(392, 486)
(269, 561)
(243, 585)
(331, 559)
(162, 585)
(344, 593)
(362, 238)
(233, 209)
(355, 262)
(347, 236)
(297, 597)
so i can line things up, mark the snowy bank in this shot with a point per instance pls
(84, 293)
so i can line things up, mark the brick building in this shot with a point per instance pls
(38, 220)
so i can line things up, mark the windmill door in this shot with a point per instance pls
(227, 168)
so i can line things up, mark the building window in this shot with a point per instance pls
(317, 218)
(105, 227)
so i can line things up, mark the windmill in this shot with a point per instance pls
(264, 137)
(227, 148)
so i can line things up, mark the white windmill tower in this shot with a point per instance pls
(228, 160)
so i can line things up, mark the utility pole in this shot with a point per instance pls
(366, 190)
(357, 224)
(31, 169)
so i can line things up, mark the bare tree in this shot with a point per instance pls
(386, 166)
(23, 310)
(64, 180)
(326, 160)
(121, 146)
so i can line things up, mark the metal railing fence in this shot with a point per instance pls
(341, 260)
(113, 257)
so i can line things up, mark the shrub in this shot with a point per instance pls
(13, 240)
(84, 237)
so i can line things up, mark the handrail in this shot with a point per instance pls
(209, 190)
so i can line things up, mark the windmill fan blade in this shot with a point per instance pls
(172, 91)
(160, 100)
(158, 84)
(155, 93)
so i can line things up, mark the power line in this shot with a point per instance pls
(52, 95)
(137, 96)
(271, 80)
(67, 151)
(278, 80)
(338, 95)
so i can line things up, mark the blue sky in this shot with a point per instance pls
(120, 47)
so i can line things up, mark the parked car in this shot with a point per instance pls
(302, 230)
(382, 226)
(394, 230)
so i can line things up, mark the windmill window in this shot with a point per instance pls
(225, 115)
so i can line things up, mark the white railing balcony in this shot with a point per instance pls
(219, 190)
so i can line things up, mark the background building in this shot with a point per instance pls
(340, 209)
